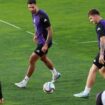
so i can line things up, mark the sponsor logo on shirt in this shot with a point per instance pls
(98, 29)
(38, 51)
(45, 20)
(94, 61)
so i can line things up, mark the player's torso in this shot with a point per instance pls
(41, 32)
(100, 27)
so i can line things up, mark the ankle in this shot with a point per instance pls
(87, 90)
(26, 78)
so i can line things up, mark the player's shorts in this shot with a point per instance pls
(39, 51)
(99, 99)
(96, 62)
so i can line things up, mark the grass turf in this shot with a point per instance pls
(71, 57)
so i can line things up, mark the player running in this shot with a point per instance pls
(99, 61)
(43, 39)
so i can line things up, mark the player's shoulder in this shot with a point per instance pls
(43, 13)
(44, 18)
(101, 23)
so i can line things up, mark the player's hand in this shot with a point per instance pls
(44, 48)
(101, 59)
(35, 39)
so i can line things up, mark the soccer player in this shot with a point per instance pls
(99, 61)
(1, 96)
(100, 99)
(43, 39)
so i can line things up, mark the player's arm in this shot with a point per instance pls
(49, 36)
(101, 31)
(47, 25)
(35, 39)
(102, 49)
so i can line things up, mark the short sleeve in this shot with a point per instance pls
(45, 21)
(100, 30)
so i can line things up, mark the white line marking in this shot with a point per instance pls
(89, 42)
(10, 24)
(29, 32)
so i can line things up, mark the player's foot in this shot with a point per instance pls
(1, 100)
(21, 84)
(55, 77)
(81, 95)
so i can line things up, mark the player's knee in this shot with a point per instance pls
(93, 71)
(44, 60)
(31, 60)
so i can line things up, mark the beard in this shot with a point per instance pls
(33, 12)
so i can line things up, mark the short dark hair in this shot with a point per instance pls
(93, 12)
(31, 2)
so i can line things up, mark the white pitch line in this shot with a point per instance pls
(29, 32)
(89, 42)
(10, 24)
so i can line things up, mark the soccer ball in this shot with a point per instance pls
(48, 87)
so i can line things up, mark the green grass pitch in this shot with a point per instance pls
(71, 57)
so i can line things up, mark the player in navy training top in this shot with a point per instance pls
(43, 39)
(1, 95)
(99, 61)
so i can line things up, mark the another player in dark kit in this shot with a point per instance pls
(99, 61)
(100, 98)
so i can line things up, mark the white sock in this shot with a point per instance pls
(87, 90)
(26, 78)
(54, 71)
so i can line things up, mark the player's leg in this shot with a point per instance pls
(102, 71)
(90, 82)
(1, 96)
(32, 61)
(49, 64)
(91, 78)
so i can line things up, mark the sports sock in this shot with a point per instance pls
(54, 71)
(87, 90)
(26, 78)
